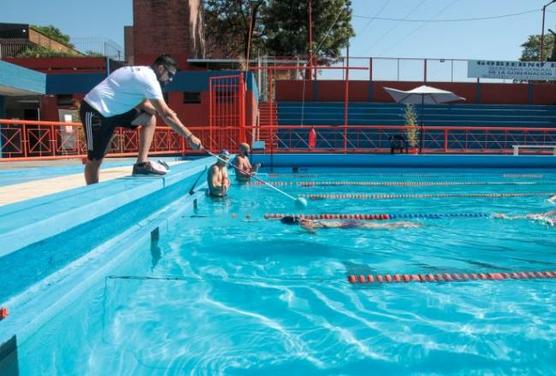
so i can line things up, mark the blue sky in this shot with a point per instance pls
(489, 39)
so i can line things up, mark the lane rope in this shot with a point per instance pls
(447, 277)
(375, 216)
(382, 196)
(306, 184)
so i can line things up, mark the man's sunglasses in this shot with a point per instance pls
(171, 73)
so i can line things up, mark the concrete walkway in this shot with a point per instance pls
(12, 193)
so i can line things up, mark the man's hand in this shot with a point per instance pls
(194, 142)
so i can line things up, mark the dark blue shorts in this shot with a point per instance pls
(99, 129)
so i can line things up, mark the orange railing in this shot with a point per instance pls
(33, 140)
(436, 139)
(22, 139)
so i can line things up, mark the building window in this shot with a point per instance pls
(191, 97)
(65, 100)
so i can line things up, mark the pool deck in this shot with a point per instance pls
(40, 182)
(10, 194)
(44, 205)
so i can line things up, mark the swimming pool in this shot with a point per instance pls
(222, 290)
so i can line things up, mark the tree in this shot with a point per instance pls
(279, 27)
(227, 26)
(286, 28)
(531, 48)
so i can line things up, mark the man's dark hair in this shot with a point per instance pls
(166, 61)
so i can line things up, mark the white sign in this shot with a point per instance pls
(513, 70)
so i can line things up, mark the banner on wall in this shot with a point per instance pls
(512, 70)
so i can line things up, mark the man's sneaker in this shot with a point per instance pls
(148, 168)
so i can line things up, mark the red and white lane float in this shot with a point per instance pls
(389, 183)
(386, 196)
(447, 277)
(375, 216)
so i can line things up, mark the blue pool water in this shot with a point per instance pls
(224, 291)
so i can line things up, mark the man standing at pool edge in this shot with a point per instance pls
(130, 97)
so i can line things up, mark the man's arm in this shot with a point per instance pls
(171, 119)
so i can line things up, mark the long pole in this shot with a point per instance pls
(541, 55)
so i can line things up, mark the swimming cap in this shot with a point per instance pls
(289, 220)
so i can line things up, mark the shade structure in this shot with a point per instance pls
(423, 95)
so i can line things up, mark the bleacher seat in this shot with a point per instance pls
(332, 113)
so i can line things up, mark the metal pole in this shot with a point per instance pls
(541, 57)
(346, 99)
(250, 31)
(310, 32)
(421, 133)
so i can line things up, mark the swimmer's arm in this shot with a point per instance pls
(308, 226)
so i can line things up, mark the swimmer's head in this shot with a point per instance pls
(223, 157)
(289, 220)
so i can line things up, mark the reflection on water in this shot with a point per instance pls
(238, 294)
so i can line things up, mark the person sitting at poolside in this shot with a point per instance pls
(242, 165)
(312, 225)
(217, 177)
(548, 218)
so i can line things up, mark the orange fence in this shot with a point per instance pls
(20, 140)
(24, 140)
(436, 139)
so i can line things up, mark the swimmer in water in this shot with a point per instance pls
(312, 225)
(548, 218)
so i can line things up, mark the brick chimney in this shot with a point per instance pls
(167, 26)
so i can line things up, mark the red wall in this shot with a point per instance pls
(363, 91)
(61, 64)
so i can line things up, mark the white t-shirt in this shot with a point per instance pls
(124, 89)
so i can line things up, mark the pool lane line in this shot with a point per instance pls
(386, 196)
(432, 175)
(306, 184)
(375, 216)
(447, 277)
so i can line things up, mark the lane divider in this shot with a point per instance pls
(374, 217)
(534, 176)
(304, 175)
(447, 277)
(389, 183)
(382, 196)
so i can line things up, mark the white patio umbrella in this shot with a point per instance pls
(423, 95)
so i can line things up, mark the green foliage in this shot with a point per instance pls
(280, 27)
(54, 33)
(40, 51)
(412, 130)
(286, 29)
(531, 48)
(227, 25)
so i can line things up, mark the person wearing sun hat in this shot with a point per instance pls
(242, 165)
(217, 177)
